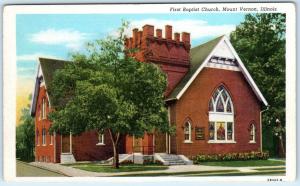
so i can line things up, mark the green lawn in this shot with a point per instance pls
(123, 168)
(248, 163)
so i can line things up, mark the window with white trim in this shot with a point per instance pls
(100, 139)
(51, 139)
(252, 133)
(221, 125)
(44, 136)
(43, 109)
(187, 132)
(37, 137)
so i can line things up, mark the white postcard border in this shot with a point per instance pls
(9, 87)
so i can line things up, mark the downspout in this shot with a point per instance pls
(260, 120)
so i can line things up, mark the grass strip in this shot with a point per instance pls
(241, 173)
(270, 168)
(175, 173)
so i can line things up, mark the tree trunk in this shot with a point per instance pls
(115, 141)
(116, 156)
(281, 148)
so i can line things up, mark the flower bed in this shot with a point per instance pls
(231, 157)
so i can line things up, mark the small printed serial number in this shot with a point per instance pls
(274, 179)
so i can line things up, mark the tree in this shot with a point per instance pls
(104, 89)
(260, 42)
(25, 136)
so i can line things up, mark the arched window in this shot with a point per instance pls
(44, 136)
(187, 132)
(221, 125)
(252, 133)
(220, 101)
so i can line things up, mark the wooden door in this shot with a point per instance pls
(160, 142)
(137, 144)
(65, 144)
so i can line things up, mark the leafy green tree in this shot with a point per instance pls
(260, 42)
(25, 136)
(104, 89)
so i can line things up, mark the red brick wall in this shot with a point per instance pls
(194, 104)
(43, 152)
(85, 149)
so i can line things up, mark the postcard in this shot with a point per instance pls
(150, 91)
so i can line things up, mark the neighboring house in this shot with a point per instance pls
(212, 101)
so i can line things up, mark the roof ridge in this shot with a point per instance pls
(216, 38)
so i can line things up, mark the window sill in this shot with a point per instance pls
(221, 141)
(253, 142)
(44, 145)
(100, 144)
(187, 142)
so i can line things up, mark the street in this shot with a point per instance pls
(25, 170)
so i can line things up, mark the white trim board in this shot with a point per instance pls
(241, 65)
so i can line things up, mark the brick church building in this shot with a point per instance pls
(212, 100)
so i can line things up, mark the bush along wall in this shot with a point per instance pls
(231, 157)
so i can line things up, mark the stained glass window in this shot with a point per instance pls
(211, 131)
(220, 105)
(220, 101)
(229, 130)
(220, 130)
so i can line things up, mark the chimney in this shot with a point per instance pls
(185, 37)
(168, 32)
(158, 33)
(130, 43)
(177, 37)
(134, 36)
(148, 30)
(140, 34)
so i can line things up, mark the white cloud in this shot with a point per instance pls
(72, 39)
(197, 28)
(33, 57)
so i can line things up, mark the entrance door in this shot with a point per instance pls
(65, 144)
(160, 142)
(137, 144)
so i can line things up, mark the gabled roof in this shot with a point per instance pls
(46, 69)
(197, 55)
(200, 56)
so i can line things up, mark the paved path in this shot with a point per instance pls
(27, 170)
(172, 169)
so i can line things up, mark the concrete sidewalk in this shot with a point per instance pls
(73, 172)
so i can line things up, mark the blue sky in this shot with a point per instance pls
(56, 35)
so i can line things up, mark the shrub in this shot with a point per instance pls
(231, 156)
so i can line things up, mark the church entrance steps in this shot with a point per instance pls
(67, 158)
(172, 159)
